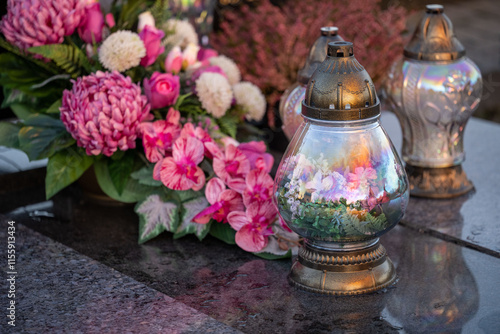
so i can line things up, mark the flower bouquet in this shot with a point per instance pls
(73, 77)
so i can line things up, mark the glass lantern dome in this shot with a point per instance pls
(340, 183)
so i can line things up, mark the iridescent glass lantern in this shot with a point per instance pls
(340, 183)
(434, 90)
(290, 108)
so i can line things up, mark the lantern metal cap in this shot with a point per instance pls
(318, 52)
(433, 39)
(340, 89)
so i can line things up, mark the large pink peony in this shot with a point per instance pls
(36, 22)
(103, 112)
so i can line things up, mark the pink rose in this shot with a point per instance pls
(173, 63)
(152, 41)
(91, 24)
(110, 20)
(162, 89)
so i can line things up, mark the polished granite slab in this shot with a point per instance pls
(472, 220)
(442, 288)
(61, 291)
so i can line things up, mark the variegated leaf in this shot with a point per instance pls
(156, 216)
(191, 209)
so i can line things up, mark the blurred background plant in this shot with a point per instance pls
(271, 42)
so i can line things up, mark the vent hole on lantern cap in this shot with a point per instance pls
(332, 106)
(367, 104)
(340, 54)
(348, 106)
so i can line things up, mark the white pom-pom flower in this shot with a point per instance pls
(215, 93)
(251, 99)
(229, 67)
(121, 51)
(179, 33)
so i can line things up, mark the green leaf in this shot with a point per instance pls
(228, 124)
(120, 170)
(180, 100)
(9, 134)
(68, 57)
(24, 56)
(22, 111)
(156, 216)
(190, 209)
(64, 168)
(145, 176)
(14, 96)
(269, 256)
(223, 232)
(42, 135)
(129, 14)
(160, 11)
(54, 108)
(133, 190)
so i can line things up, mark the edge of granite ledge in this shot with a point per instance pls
(60, 290)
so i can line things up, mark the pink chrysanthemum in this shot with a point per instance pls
(35, 22)
(103, 112)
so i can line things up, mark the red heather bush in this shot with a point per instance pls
(270, 43)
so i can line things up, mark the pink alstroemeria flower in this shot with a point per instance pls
(253, 226)
(254, 150)
(259, 187)
(232, 166)
(181, 171)
(222, 200)
(158, 137)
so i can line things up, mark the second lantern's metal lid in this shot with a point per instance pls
(340, 89)
(317, 53)
(433, 39)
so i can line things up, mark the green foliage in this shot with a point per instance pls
(20, 75)
(67, 57)
(132, 192)
(54, 107)
(129, 13)
(145, 176)
(156, 215)
(189, 105)
(50, 68)
(228, 124)
(9, 134)
(64, 168)
(120, 170)
(42, 135)
(223, 232)
(190, 208)
(160, 11)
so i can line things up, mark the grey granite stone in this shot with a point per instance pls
(472, 219)
(61, 291)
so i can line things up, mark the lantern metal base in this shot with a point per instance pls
(444, 182)
(342, 272)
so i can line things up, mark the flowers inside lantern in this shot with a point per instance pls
(290, 108)
(434, 90)
(341, 184)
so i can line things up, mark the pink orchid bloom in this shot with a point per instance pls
(371, 202)
(222, 200)
(158, 136)
(259, 187)
(181, 171)
(232, 166)
(190, 131)
(253, 226)
(254, 150)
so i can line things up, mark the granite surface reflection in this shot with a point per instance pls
(477, 212)
(443, 287)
